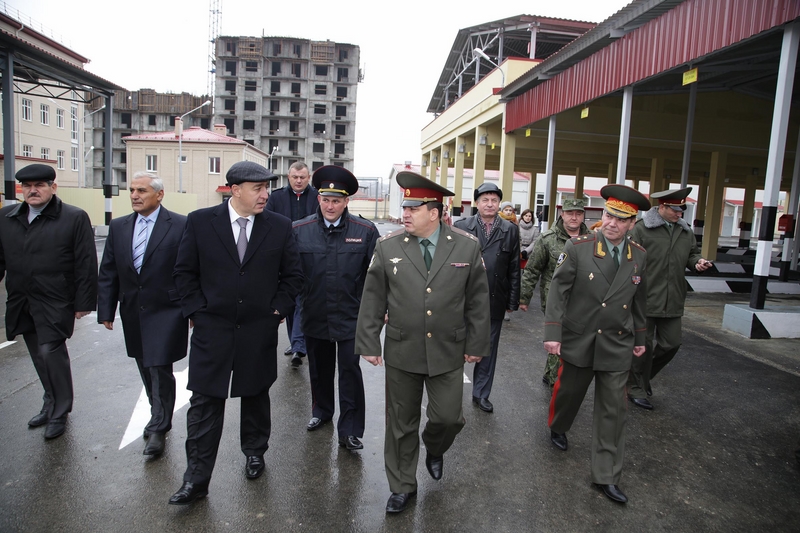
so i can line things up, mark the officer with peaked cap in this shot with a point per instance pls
(47, 249)
(237, 274)
(335, 250)
(430, 277)
(595, 322)
(671, 249)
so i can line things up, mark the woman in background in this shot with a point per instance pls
(528, 233)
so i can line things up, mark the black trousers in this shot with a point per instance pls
(322, 357)
(204, 422)
(483, 374)
(51, 361)
(159, 383)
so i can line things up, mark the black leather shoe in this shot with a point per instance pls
(613, 493)
(316, 423)
(644, 403)
(351, 443)
(559, 440)
(145, 434)
(483, 403)
(435, 465)
(55, 427)
(649, 390)
(288, 350)
(155, 444)
(39, 420)
(188, 493)
(296, 360)
(255, 466)
(399, 501)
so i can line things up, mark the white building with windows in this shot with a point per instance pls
(205, 158)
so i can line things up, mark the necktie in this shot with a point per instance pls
(615, 255)
(241, 244)
(427, 254)
(140, 244)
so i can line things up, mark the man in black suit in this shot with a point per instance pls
(295, 201)
(136, 270)
(238, 274)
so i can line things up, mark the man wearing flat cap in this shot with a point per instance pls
(499, 240)
(671, 249)
(430, 279)
(542, 263)
(595, 322)
(237, 274)
(48, 256)
(335, 250)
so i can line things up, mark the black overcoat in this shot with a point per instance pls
(232, 303)
(50, 268)
(152, 320)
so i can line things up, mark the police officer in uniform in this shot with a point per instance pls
(596, 331)
(431, 279)
(335, 250)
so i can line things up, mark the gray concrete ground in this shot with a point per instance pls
(716, 454)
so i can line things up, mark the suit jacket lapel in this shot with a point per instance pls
(414, 254)
(603, 259)
(625, 270)
(443, 249)
(222, 226)
(160, 229)
(128, 225)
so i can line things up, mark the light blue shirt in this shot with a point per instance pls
(151, 218)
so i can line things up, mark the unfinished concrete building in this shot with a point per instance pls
(295, 99)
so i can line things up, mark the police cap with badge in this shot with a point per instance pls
(248, 171)
(418, 190)
(331, 180)
(36, 172)
(623, 202)
(674, 199)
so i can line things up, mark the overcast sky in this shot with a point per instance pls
(163, 45)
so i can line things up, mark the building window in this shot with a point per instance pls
(319, 128)
(342, 75)
(250, 85)
(276, 68)
(230, 86)
(213, 165)
(123, 158)
(151, 120)
(60, 159)
(276, 49)
(249, 105)
(275, 87)
(230, 67)
(229, 125)
(338, 148)
(274, 106)
(294, 108)
(44, 111)
(248, 124)
(320, 89)
(296, 70)
(319, 109)
(125, 119)
(293, 147)
(27, 109)
(151, 163)
(274, 126)
(251, 66)
(74, 158)
(296, 89)
(298, 49)
(338, 163)
(27, 150)
(230, 47)
(230, 104)
(341, 111)
(321, 70)
(318, 148)
(341, 130)
(294, 126)
(60, 119)
(342, 55)
(172, 121)
(45, 153)
(204, 123)
(73, 123)
(341, 92)
(316, 165)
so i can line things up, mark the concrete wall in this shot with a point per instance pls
(92, 201)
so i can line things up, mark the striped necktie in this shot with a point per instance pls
(140, 244)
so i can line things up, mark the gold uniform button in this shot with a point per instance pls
(429, 290)
(429, 313)
(625, 306)
(603, 304)
(599, 331)
(429, 335)
(619, 333)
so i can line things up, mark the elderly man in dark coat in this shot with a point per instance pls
(238, 273)
(136, 271)
(47, 251)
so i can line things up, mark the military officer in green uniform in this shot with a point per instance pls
(671, 249)
(594, 321)
(429, 281)
(542, 264)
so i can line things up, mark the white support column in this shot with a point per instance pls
(775, 154)
(624, 134)
(789, 254)
(548, 172)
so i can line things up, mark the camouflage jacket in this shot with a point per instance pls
(542, 262)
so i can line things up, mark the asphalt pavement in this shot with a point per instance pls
(716, 453)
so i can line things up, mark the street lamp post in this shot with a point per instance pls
(81, 171)
(180, 145)
(272, 153)
(480, 53)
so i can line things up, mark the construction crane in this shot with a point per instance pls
(214, 21)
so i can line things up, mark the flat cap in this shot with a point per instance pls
(245, 171)
(36, 172)
(418, 190)
(623, 201)
(487, 187)
(331, 180)
(675, 199)
(573, 204)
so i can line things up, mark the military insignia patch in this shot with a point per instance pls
(561, 259)
(636, 279)
(396, 260)
(591, 276)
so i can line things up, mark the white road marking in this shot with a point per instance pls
(6, 344)
(141, 413)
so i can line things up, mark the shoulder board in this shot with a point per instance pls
(459, 231)
(392, 234)
(589, 237)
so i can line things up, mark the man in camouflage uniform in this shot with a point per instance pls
(542, 263)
